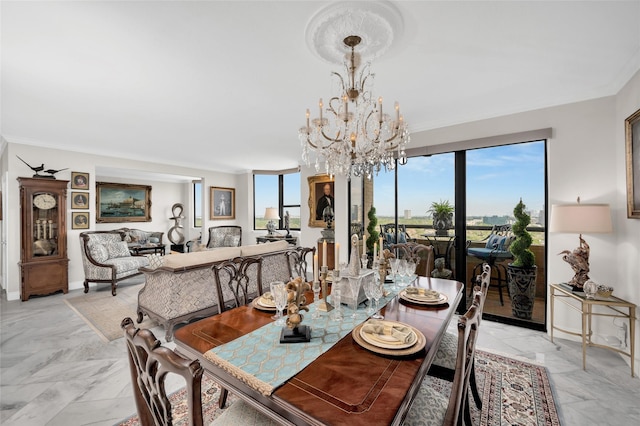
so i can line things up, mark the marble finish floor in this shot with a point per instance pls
(54, 370)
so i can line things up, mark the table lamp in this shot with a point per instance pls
(580, 219)
(271, 214)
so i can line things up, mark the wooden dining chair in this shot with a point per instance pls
(238, 281)
(416, 252)
(150, 363)
(443, 365)
(430, 407)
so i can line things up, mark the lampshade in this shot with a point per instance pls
(271, 213)
(581, 218)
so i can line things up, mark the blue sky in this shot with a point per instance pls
(496, 179)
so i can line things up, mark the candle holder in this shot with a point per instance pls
(296, 303)
(324, 305)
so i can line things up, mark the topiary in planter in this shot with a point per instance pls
(523, 257)
(372, 230)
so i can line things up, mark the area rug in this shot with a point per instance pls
(513, 392)
(104, 312)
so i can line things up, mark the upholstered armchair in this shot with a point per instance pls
(225, 236)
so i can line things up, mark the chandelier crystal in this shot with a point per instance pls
(352, 136)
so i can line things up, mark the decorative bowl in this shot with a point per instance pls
(604, 291)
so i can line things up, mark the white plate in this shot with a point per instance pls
(422, 300)
(266, 303)
(388, 341)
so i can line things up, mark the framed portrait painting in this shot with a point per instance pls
(120, 202)
(320, 198)
(222, 203)
(79, 200)
(632, 133)
(80, 220)
(79, 180)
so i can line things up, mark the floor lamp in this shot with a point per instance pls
(580, 219)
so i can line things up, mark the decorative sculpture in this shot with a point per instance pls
(440, 271)
(354, 261)
(296, 302)
(287, 224)
(177, 228)
(40, 168)
(579, 261)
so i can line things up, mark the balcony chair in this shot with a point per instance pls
(388, 234)
(431, 407)
(494, 252)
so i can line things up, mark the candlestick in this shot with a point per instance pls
(336, 261)
(381, 246)
(324, 253)
(315, 267)
(325, 306)
(364, 245)
(375, 251)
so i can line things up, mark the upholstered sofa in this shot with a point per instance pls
(140, 241)
(183, 286)
(106, 258)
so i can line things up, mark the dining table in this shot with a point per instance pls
(338, 381)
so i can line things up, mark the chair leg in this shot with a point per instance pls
(473, 384)
(223, 397)
(500, 285)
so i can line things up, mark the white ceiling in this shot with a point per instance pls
(223, 85)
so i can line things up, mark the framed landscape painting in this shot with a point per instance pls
(222, 203)
(119, 202)
(632, 133)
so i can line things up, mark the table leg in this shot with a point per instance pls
(632, 337)
(553, 293)
(584, 338)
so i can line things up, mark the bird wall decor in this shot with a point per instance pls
(50, 172)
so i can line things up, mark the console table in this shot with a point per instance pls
(579, 302)
(270, 238)
(147, 248)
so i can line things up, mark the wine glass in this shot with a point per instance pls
(279, 294)
(402, 270)
(376, 293)
(354, 286)
(411, 269)
(316, 298)
(394, 272)
(367, 292)
(336, 313)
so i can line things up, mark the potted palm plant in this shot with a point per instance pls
(523, 270)
(442, 214)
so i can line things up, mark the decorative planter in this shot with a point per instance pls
(522, 290)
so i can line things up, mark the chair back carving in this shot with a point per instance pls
(149, 364)
(298, 263)
(419, 253)
(467, 336)
(238, 281)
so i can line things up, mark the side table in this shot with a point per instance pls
(270, 238)
(579, 302)
(147, 248)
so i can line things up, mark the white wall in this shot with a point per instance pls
(163, 195)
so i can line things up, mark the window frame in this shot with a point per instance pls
(281, 206)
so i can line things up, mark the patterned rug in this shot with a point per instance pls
(104, 312)
(513, 392)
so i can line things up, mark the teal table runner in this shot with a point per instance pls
(261, 361)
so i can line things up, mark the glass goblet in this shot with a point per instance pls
(316, 299)
(354, 286)
(279, 293)
(411, 270)
(395, 263)
(367, 292)
(376, 293)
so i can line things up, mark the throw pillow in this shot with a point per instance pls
(98, 252)
(118, 249)
(402, 237)
(231, 240)
(154, 240)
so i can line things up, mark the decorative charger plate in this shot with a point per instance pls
(422, 300)
(421, 341)
(387, 341)
(259, 304)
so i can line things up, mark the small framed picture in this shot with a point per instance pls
(79, 200)
(632, 132)
(80, 220)
(79, 180)
(222, 203)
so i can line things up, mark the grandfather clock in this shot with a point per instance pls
(43, 249)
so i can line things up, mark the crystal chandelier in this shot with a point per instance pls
(352, 136)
